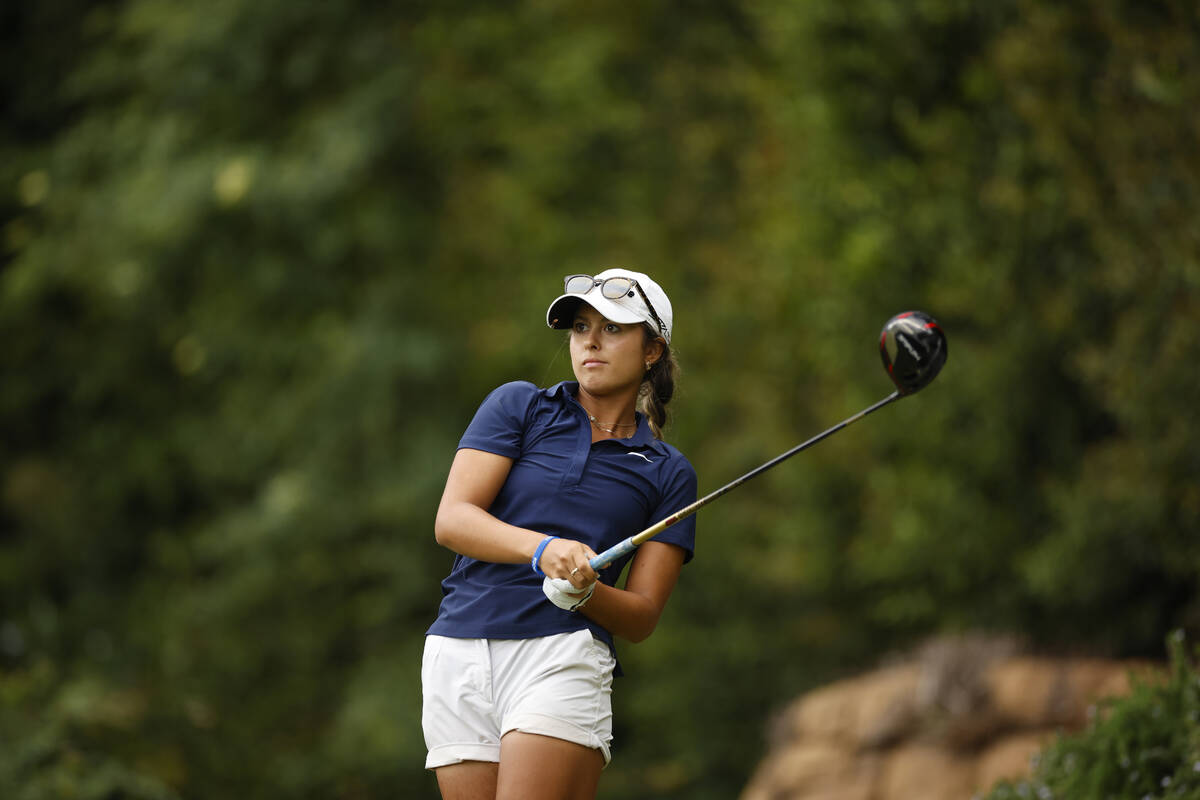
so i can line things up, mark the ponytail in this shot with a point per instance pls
(657, 389)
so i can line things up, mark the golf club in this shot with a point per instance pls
(913, 348)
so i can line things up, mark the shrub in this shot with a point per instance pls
(1141, 746)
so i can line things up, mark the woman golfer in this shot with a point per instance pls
(518, 668)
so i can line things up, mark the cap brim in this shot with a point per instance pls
(561, 312)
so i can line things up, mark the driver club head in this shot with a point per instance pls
(913, 348)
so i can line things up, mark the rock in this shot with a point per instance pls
(926, 771)
(814, 770)
(886, 709)
(1009, 758)
(947, 722)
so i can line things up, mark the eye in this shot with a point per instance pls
(579, 326)
(612, 328)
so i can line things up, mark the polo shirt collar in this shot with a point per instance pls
(568, 392)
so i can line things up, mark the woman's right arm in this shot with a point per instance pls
(464, 525)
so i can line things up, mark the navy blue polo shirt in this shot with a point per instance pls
(561, 484)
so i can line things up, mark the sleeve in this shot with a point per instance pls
(499, 424)
(679, 492)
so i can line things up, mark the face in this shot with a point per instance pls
(609, 357)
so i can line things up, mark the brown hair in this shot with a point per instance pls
(658, 387)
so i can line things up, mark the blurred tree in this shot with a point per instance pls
(1068, 512)
(262, 261)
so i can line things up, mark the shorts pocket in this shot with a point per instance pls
(430, 658)
(599, 654)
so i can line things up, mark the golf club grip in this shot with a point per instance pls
(629, 545)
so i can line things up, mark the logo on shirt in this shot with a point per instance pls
(639, 455)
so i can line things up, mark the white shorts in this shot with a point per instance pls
(477, 690)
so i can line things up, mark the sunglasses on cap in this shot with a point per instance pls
(613, 288)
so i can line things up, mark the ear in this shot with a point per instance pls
(653, 351)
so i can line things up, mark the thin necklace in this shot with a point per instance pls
(611, 428)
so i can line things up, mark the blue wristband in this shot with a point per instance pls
(537, 555)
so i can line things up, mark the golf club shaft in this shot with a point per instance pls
(629, 545)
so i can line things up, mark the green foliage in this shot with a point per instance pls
(261, 261)
(70, 738)
(1144, 745)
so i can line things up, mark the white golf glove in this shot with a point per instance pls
(563, 593)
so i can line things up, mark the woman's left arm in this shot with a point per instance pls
(632, 613)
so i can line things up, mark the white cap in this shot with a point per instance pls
(627, 309)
